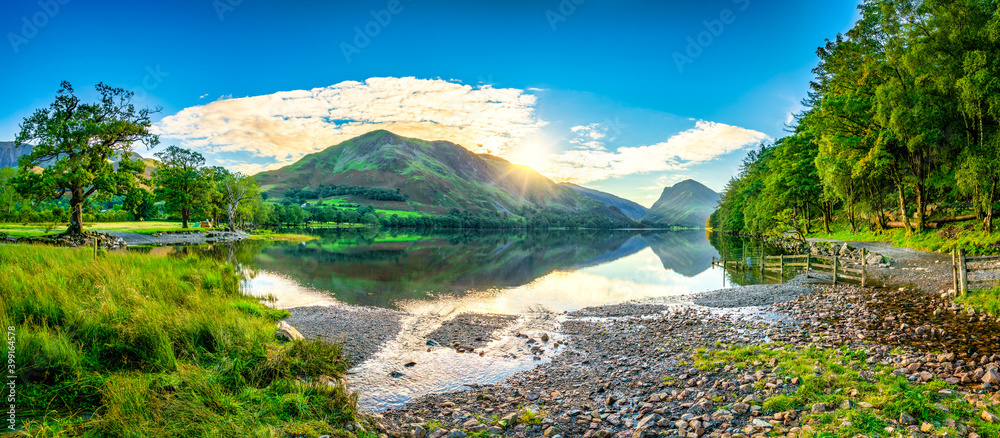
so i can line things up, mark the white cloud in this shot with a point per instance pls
(589, 136)
(287, 125)
(704, 142)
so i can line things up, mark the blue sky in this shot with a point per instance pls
(623, 96)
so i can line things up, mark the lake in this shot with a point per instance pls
(533, 276)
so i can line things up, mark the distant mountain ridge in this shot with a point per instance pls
(630, 208)
(434, 176)
(11, 151)
(685, 204)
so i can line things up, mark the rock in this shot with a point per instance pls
(551, 431)
(761, 423)
(906, 419)
(456, 434)
(926, 427)
(409, 364)
(648, 421)
(545, 337)
(818, 408)
(989, 416)
(741, 408)
(289, 333)
(991, 377)
(418, 432)
(610, 400)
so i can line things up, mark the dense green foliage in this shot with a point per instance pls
(137, 345)
(86, 148)
(327, 190)
(901, 130)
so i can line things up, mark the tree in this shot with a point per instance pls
(237, 188)
(140, 202)
(9, 197)
(79, 143)
(181, 182)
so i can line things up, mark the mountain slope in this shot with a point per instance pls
(631, 209)
(687, 204)
(10, 151)
(434, 177)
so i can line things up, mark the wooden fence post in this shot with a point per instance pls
(808, 265)
(95, 247)
(782, 268)
(954, 269)
(834, 270)
(864, 266)
(963, 273)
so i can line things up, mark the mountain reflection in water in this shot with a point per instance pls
(553, 271)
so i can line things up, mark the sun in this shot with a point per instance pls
(534, 153)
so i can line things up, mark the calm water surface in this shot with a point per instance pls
(433, 278)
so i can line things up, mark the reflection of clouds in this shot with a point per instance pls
(635, 277)
(287, 292)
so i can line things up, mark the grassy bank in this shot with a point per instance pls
(135, 346)
(146, 227)
(859, 398)
(987, 300)
(964, 235)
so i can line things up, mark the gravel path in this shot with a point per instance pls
(361, 330)
(927, 271)
(178, 238)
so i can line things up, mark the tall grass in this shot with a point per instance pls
(136, 346)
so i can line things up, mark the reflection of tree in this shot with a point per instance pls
(733, 247)
(377, 270)
(687, 253)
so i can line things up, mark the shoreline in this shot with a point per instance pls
(625, 369)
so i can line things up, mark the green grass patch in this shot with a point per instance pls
(973, 240)
(987, 300)
(129, 345)
(833, 376)
(141, 227)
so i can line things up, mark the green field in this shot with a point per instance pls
(147, 227)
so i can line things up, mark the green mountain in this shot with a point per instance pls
(686, 204)
(432, 176)
(631, 209)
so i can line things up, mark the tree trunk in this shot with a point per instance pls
(76, 212)
(827, 215)
(988, 222)
(902, 210)
(805, 224)
(232, 217)
(921, 213)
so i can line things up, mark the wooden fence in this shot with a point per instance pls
(960, 270)
(837, 268)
